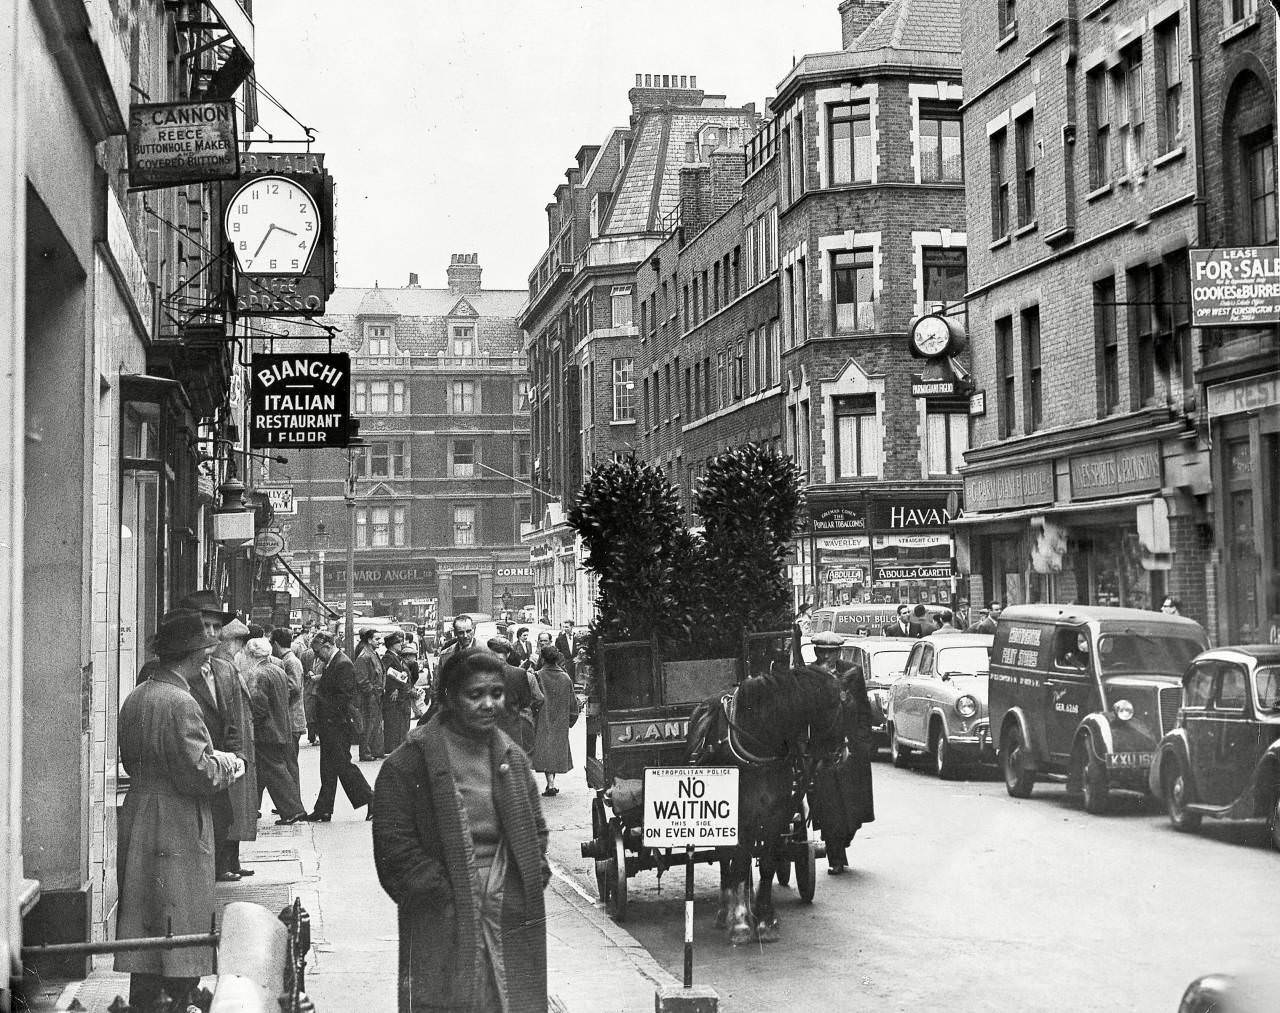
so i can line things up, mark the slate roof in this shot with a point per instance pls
(920, 25)
(417, 302)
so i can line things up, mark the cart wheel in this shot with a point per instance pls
(615, 901)
(806, 870)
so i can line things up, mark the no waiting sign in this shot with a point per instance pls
(690, 807)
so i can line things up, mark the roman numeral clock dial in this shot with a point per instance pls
(273, 226)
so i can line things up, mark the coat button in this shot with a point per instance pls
(503, 768)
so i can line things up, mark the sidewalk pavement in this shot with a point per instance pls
(593, 965)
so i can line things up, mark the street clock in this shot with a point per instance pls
(273, 225)
(934, 336)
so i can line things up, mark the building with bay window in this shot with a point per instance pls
(443, 480)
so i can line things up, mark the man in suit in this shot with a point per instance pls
(336, 697)
(567, 645)
(987, 624)
(904, 626)
(215, 691)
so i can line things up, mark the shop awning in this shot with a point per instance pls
(1119, 502)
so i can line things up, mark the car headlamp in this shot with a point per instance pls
(966, 706)
(1123, 710)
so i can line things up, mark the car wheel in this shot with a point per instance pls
(944, 762)
(1273, 820)
(1097, 793)
(898, 753)
(1177, 796)
(1019, 778)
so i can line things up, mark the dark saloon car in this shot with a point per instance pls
(1223, 757)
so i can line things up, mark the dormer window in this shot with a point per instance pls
(377, 340)
(462, 340)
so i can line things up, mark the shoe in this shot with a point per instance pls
(228, 877)
(551, 791)
(287, 821)
(835, 870)
(244, 872)
(317, 817)
(275, 812)
(369, 817)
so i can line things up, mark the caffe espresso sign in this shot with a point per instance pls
(300, 401)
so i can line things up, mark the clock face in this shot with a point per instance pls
(931, 336)
(273, 225)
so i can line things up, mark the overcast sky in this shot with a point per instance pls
(447, 126)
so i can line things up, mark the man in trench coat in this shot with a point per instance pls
(165, 831)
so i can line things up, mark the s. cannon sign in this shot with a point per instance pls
(300, 400)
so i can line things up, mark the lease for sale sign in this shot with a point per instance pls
(690, 807)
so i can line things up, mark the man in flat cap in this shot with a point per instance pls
(165, 864)
(841, 795)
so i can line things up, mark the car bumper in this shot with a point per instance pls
(975, 744)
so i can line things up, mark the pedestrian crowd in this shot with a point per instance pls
(217, 719)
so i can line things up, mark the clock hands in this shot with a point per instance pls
(267, 236)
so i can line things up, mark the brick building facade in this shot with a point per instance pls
(1088, 479)
(869, 233)
(439, 384)
(583, 323)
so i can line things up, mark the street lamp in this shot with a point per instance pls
(321, 541)
(356, 443)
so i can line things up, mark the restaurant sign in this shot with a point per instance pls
(300, 400)
(1019, 486)
(1235, 286)
(1116, 472)
(174, 143)
(1246, 395)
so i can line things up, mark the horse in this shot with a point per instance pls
(776, 728)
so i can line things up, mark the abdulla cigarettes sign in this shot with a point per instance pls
(300, 400)
(172, 143)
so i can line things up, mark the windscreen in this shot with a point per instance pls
(887, 664)
(964, 660)
(1119, 653)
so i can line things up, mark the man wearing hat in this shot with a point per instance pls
(845, 788)
(217, 692)
(397, 700)
(336, 696)
(245, 795)
(165, 863)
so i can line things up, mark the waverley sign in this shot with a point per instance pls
(300, 400)
(173, 143)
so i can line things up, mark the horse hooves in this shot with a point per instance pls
(768, 933)
(741, 935)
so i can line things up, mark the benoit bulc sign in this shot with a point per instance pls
(277, 226)
(173, 143)
(301, 401)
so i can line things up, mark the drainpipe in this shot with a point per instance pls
(1201, 202)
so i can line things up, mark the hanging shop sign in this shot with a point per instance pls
(281, 497)
(1019, 486)
(268, 543)
(175, 143)
(978, 403)
(928, 571)
(1116, 472)
(271, 608)
(935, 388)
(1235, 286)
(277, 223)
(300, 401)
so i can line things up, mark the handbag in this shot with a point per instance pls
(419, 702)
(577, 709)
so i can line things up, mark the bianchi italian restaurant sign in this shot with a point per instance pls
(300, 401)
(1235, 285)
(172, 143)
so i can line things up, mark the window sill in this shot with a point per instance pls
(1168, 157)
(1009, 36)
(622, 422)
(1099, 193)
(1023, 230)
(1238, 29)
(1004, 240)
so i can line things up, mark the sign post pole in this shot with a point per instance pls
(688, 917)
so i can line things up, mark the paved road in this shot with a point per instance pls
(962, 898)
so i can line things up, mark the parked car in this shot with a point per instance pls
(1253, 990)
(1086, 692)
(939, 705)
(883, 660)
(1223, 757)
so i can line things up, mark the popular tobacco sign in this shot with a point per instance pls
(300, 401)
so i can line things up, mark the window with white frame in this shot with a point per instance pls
(1169, 69)
(941, 151)
(620, 304)
(382, 459)
(946, 436)
(773, 360)
(462, 397)
(377, 340)
(1099, 112)
(463, 455)
(1238, 10)
(849, 144)
(464, 524)
(943, 273)
(854, 274)
(520, 397)
(379, 397)
(1130, 106)
(523, 456)
(462, 340)
(857, 435)
(624, 389)
(380, 526)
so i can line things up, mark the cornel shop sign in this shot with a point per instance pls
(300, 401)
(172, 143)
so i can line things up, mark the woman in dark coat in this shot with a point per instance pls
(551, 737)
(165, 833)
(459, 843)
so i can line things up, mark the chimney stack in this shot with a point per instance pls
(413, 280)
(464, 273)
(855, 16)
